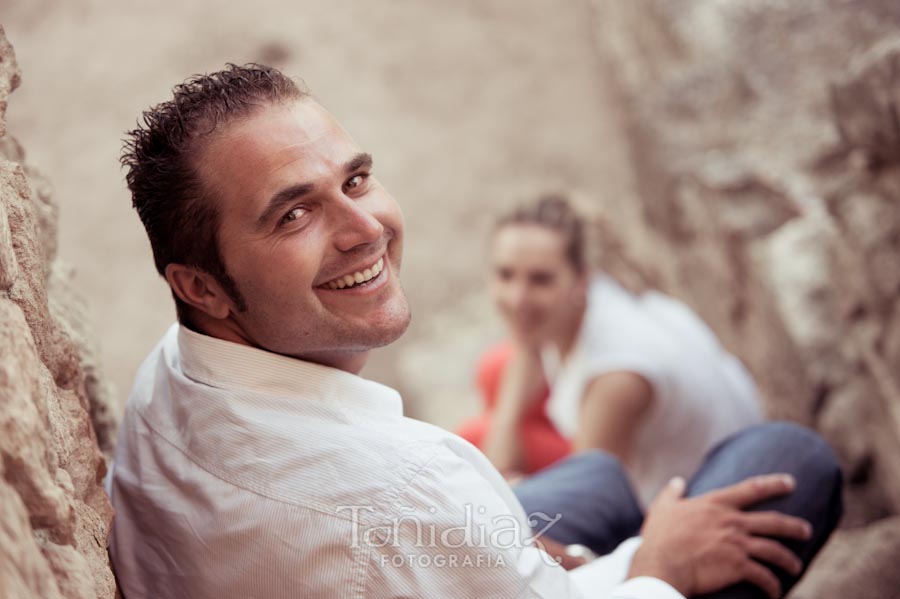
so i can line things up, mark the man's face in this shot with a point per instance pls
(310, 237)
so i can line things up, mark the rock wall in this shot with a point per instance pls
(765, 144)
(56, 414)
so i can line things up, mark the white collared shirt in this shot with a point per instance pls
(240, 473)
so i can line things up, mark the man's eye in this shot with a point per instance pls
(293, 215)
(355, 181)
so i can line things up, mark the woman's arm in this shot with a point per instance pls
(612, 408)
(522, 382)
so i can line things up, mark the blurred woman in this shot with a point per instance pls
(589, 365)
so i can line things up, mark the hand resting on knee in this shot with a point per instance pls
(703, 544)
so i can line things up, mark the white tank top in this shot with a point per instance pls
(702, 394)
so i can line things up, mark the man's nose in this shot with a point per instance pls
(355, 225)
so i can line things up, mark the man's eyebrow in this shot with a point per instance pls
(361, 160)
(285, 196)
(289, 194)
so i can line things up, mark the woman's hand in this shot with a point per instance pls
(522, 384)
(523, 379)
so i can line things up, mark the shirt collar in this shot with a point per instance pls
(228, 365)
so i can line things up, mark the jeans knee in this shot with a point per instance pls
(818, 458)
(599, 461)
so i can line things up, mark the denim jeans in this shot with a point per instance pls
(599, 508)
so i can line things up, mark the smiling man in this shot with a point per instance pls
(313, 239)
(253, 461)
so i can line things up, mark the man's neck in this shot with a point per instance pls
(227, 330)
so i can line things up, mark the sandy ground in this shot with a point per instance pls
(468, 106)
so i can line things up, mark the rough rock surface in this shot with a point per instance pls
(55, 413)
(765, 142)
(853, 555)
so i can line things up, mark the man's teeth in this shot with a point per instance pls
(357, 277)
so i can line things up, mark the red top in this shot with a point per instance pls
(542, 445)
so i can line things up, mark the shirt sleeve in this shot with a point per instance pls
(619, 334)
(604, 577)
(449, 536)
(644, 587)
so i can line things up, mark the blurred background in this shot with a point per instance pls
(742, 155)
(467, 107)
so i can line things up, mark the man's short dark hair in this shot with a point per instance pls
(176, 208)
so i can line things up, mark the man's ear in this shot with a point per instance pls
(198, 289)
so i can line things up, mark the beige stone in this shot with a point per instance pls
(71, 314)
(766, 147)
(55, 521)
(24, 572)
(860, 562)
(9, 268)
(9, 76)
(867, 103)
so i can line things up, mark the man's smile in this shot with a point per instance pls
(356, 278)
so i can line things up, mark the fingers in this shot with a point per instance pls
(673, 491)
(774, 553)
(754, 490)
(769, 550)
(775, 524)
(762, 577)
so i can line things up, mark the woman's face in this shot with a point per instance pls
(533, 284)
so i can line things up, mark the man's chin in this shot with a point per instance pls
(380, 328)
(392, 328)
